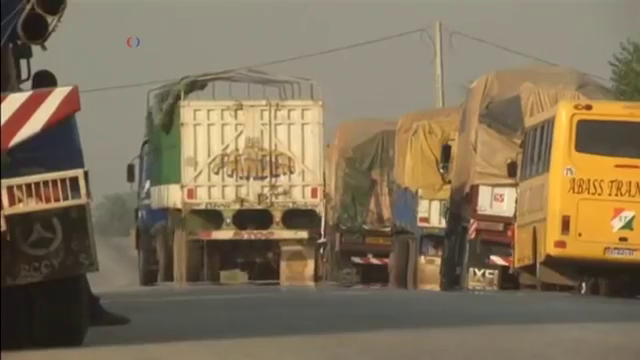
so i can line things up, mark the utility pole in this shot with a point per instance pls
(439, 67)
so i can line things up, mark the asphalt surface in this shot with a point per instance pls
(266, 322)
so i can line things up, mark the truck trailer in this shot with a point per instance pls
(359, 182)
(421, 195)
(47, 237)
(230, 184)
(480, 224)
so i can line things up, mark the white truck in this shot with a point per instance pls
(231, 190)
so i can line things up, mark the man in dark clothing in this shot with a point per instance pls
(98, 315)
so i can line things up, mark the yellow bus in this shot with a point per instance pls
(579, 198)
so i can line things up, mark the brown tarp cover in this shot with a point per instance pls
(495, 112)
(359, 174)
(419, 137)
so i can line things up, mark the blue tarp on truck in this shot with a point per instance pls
(404, 208)
(421, 191)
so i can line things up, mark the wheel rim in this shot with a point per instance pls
(583, 287)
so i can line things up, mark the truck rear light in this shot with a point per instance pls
(315, 193)
(423, 220)
(191, 193)
(565, 225)
(560, 244)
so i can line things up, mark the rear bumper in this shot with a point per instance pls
(369, 260)
(275, 235)
(595, 253)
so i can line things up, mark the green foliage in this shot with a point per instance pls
(625, 71)
(113, 215)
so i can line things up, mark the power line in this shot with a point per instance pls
(512, 51)
(273, 62)
(422, 31)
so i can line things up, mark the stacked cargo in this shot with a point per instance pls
(421, 194)
(359, 180)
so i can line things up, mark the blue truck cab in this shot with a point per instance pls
(148, 220)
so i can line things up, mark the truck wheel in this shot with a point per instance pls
(195, 260)
(146, 276)
(15, 317)
(164, 251)
(400, 262)
(60, 312)
(412, 263)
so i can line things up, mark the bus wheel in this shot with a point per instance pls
(588, 286)
(605, 287)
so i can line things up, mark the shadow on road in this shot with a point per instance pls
(209, 313)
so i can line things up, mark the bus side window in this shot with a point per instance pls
(547, 163)
(537, 151)
(523, 162)
(541, 168)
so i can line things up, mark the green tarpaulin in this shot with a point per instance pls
(361, 168)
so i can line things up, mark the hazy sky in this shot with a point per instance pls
(385, 79)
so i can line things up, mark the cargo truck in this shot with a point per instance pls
(359, 183)
(47, 238)
(480, 224)
(421, 195)
(230, 187)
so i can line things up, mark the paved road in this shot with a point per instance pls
(229, 323)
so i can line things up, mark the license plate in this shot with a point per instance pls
(619, 251)
(378, 241)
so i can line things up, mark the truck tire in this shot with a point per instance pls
(60, 312)
(188, 258)
(400, 262)
(15, 317)
(164, 252)
(146, 275)
(412, 263)
(53, 313)
(195, 260)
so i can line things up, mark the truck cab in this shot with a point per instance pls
(147, 220)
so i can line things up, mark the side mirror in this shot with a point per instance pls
(445, 158)
(131, 173)
(512, 169)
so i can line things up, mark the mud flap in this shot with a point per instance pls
(297, 263)
(48, 245)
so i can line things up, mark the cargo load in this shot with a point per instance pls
(361, 169)
(359, 178)
(422, 191)
(495, 112)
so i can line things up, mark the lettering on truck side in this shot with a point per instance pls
(602, 187)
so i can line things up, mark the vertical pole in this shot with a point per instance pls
(439, 67)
